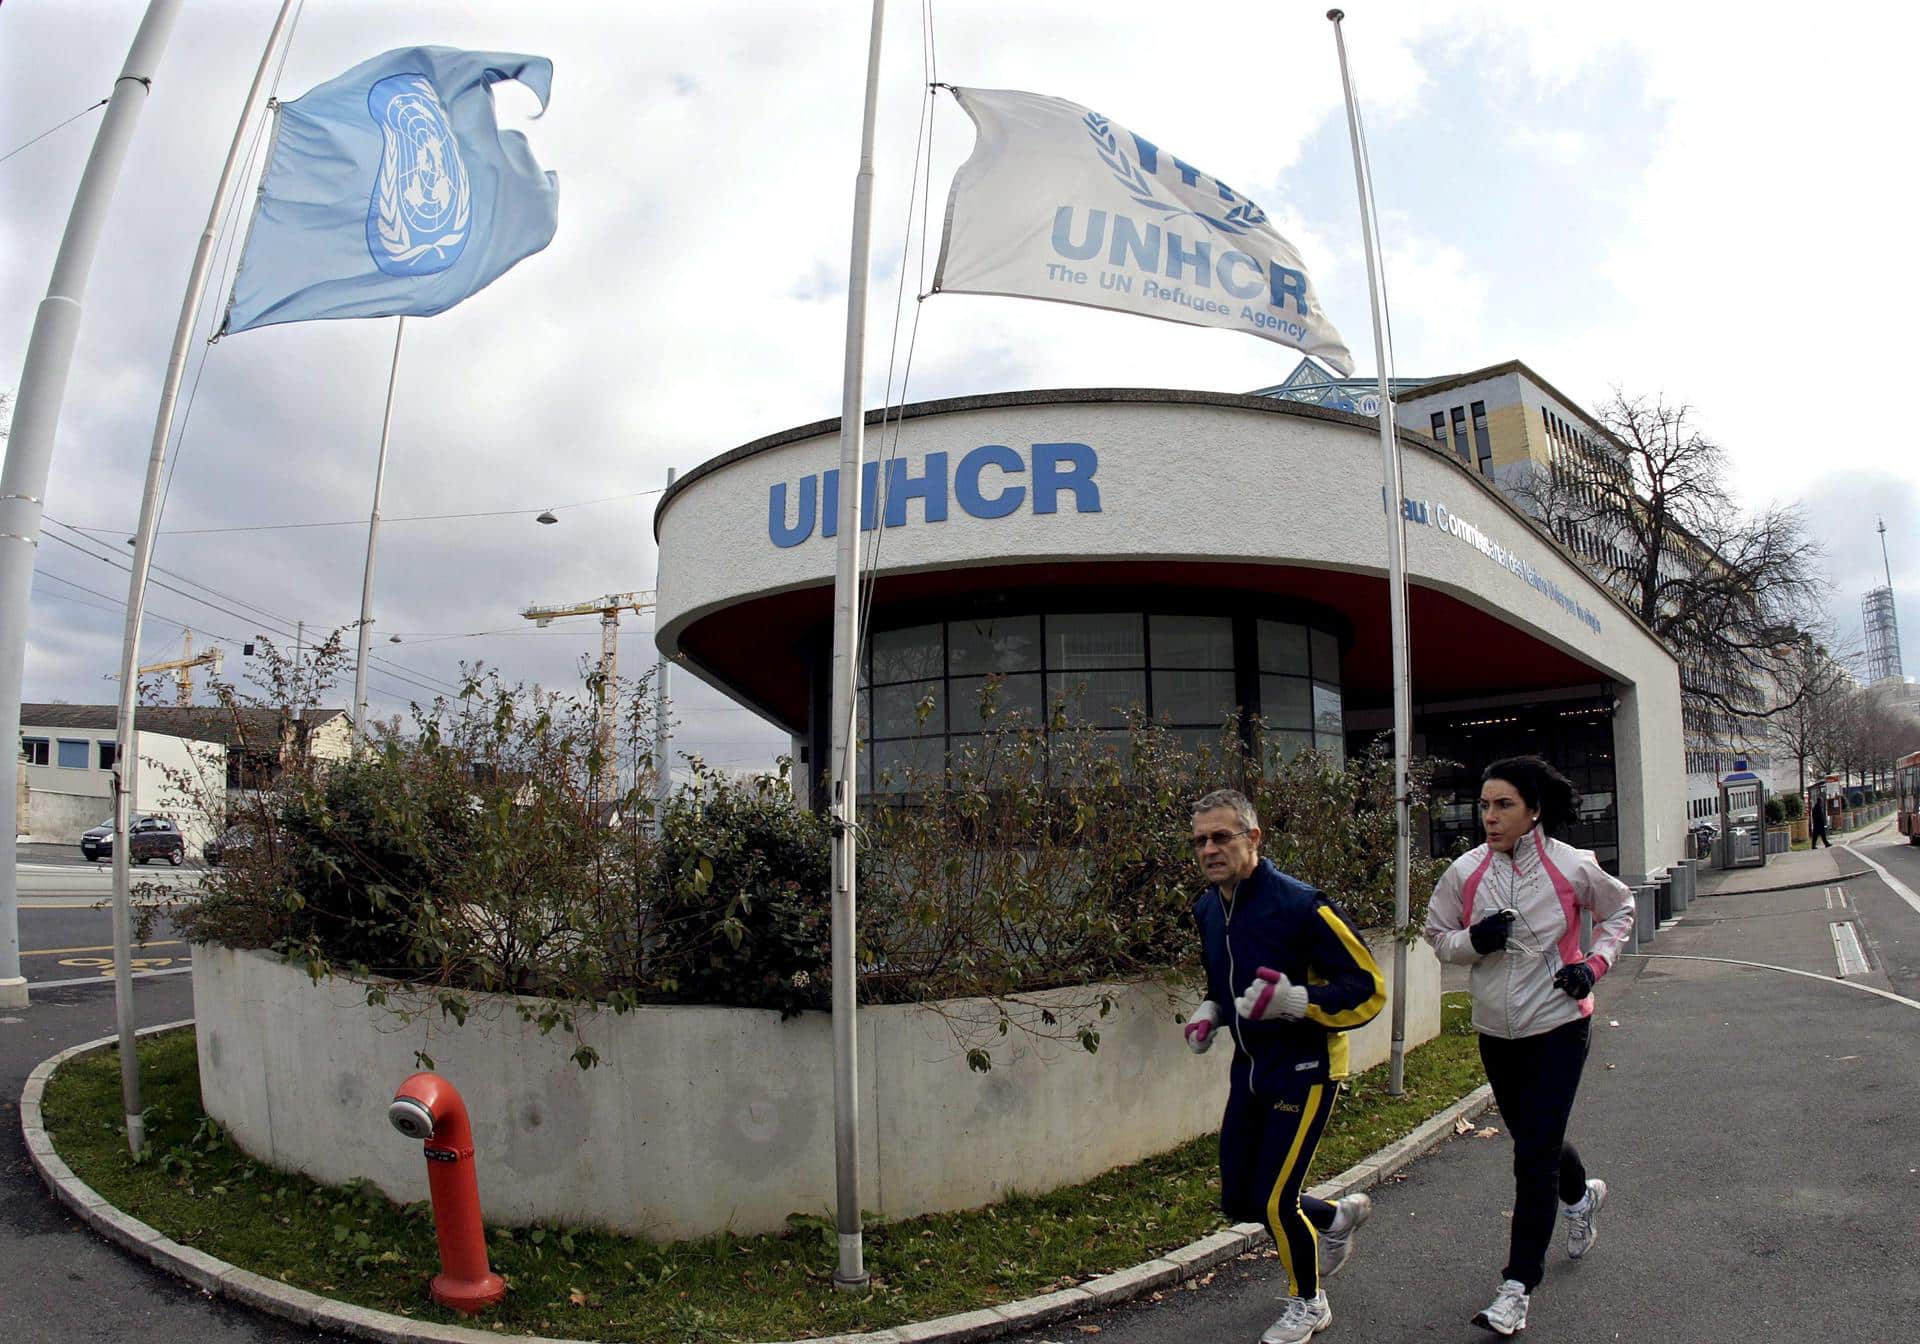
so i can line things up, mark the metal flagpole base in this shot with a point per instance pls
(850, 1254)
(13, 992)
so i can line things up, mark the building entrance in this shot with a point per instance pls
(1575, 736)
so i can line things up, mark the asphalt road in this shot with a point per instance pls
(61, 1284)
(1756, 1128)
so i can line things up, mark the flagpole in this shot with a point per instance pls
(1396, 580)
(662, 733)
(851, 1273)
(126, 752)
(29, 456)
(373, 537)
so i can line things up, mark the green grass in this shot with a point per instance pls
(351, 1243)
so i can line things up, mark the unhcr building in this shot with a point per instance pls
(1192, 554)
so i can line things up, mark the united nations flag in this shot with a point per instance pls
(392, 191)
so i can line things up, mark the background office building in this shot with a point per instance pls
(1511, 427)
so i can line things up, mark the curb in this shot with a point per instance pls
(219, 1279)
(1703, 894)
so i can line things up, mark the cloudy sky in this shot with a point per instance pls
(1635, 195)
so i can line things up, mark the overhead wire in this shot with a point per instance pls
(362, 522)
(277, 624)
(51, 129)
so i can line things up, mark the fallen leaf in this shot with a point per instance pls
(578, 1298)
(1486, 1133)
(1613, 1066)
(1088, 1329)
(1613, 1021)
(1462, 1125)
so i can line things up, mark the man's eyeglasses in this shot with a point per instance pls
(1218, 839)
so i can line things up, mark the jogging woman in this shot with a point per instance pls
(1510, 909)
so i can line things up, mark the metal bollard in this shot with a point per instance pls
(1663, 899)
(428, 1107)
(1682, 885)
(1644, 924)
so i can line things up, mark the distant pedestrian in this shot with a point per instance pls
(1817, 824)
(1510, 909)
(1287, 976)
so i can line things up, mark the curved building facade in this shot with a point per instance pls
(1188, 553)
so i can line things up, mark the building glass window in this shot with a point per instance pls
(1460, 434)
(108, 754)
(1482, 445)
(36, 750)
(929, 691)
(1300, 689)
(1440, 428)
(74, 755)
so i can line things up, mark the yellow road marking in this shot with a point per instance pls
(74, 951)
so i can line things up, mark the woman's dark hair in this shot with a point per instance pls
(1541, 788)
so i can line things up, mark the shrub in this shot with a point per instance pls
(737, 898)
(493, 849)
(1776, 812)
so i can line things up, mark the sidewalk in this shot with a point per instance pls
(1797, 868)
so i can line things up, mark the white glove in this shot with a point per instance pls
(1200, 1027)
(1272, 995)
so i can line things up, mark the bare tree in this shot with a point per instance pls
(1811, 685)
(1731, 593)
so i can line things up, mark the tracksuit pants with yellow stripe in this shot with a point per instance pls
(1266, 1146)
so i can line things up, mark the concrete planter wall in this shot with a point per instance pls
(705, 1119)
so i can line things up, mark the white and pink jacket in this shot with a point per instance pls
(1546, 883)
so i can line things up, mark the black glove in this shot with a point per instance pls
(1576, 980)
(1490, 934)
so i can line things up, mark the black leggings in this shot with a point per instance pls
(1534, 1080)
(1266, 1146)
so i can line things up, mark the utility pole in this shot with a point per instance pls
(608, 608)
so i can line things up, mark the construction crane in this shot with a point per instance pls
(608, 608)
(182, 668)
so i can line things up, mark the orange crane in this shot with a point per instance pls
(182, 668)
(608, 608)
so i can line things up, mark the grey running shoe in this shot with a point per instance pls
(1336, 1243)
(1581, 1231)
(1507, 1315)
(1303, 1318)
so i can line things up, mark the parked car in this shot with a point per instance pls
(153, 838)
(231, 841)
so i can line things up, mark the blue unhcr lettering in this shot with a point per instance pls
(809, 492)
(1063, 234)
(966, 482)
(1064, 466)
(830, 499)
(930, 489)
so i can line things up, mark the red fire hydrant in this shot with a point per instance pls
(428, 1107)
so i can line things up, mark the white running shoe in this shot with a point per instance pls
(1303, 1318)
(1336, 1243)
(1581, 1232)
(1507, 1314)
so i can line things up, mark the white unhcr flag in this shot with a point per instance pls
(1060, 203)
